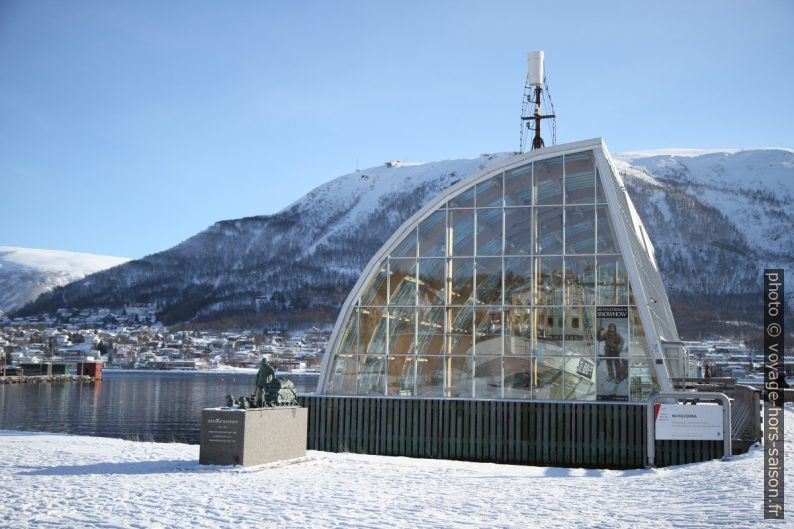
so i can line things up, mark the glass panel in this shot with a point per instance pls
(549, 277)
(430, 376)
(600, 197)
(548, 226)
(547, 377)
(402, 281)
(518, 186)
(343, 375)
(579, 331)
(548, 181)
(489, 231)
(464, 199)
(372, 375)
(549, 325)
(407, 247)
(459, 336)
(517, 377)
(518, 333)
(461, 225)
(518, 231)
(489, 280)
(433, 235)
(349, 343)
(489, 193)
(518, 280)
(431, 281)
(462, 275)
(400, 378)
(488, 331)
(580, 376)
(638, 346)
(607, 238)
(580, 229)
(580, 178)
(372, 330)
(375, 294)
(642, 379)
(459, 376)
(430, 339)
(580, 280)
(612, 281)
(402, 330)
(488, 377)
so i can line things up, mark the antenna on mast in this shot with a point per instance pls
(533, 99)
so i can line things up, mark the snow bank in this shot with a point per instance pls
(57, 480)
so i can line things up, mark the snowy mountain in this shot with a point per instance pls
(26, 273)
(716, 219)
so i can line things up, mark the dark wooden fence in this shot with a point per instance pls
(564, 434)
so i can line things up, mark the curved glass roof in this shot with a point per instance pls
(511, 285)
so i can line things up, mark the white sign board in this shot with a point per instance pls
(702, 422)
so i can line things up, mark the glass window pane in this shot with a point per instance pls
(430, 376)
(372, 330)
(489, 231)
(372, 375)
(518, 281)
(580, 331)
(402, 330)
(549, 325)
(433, 235)
(518, 332)
(580, 280)
(518, 186)
(460, 371)
(580, 229)
(375, 294)
(642, 379)
(580, 178)
(489, 280)
(517, 377)
(548, 226)
(462, 275)
(400, 375)
(638, 345)
(549, 280)
(464, 199)
(547, 377)
(489, 193)
(459, 335)
(607, 238)
(407, 247)
(580, 376)
(488, 331)
(349, 342)
(461, 224)
(613, 282)
(343, 375)
(600, 197)
(548, 181)
(518, 231)
(430, 337)
(432, 281)
(402, 281)
(488, 377)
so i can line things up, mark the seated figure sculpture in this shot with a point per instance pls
(270, 391)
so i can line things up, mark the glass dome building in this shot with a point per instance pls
(533, 280)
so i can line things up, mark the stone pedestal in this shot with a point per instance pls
(252, 437)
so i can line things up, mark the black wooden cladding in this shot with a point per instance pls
(562, 434)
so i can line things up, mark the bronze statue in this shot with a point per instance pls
(270, 391)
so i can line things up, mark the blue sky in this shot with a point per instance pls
(129, 126)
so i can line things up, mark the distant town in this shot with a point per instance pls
(132, 338)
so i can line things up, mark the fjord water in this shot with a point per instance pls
(158, 406)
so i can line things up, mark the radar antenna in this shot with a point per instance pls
(533, 101)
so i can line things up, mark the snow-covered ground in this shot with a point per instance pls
(52, 480)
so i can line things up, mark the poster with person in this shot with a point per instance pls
(612, 340)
